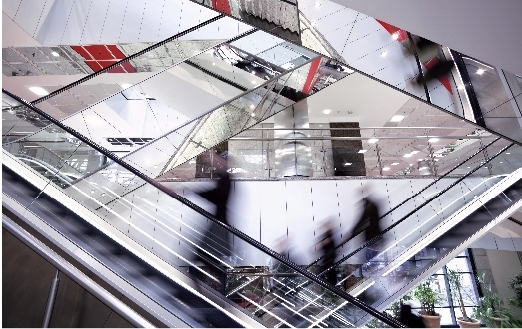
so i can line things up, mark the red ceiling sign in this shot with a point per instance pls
(101, 56)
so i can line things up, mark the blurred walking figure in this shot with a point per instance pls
(368, 223)
(427, 51)
(409, 319)
(217, 239)
(327, 247)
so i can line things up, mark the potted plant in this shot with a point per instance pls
(516, 284)
(428, 297)
(491, 309)
(455, 281)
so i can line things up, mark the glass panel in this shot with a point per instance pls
(189, 242)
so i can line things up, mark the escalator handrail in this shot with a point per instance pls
(389, 228)
(126, 59)
(79, 277)
(341, 293)
(413, 196)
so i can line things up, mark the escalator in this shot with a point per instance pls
(160, 253)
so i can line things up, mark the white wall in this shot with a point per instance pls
(487, 30)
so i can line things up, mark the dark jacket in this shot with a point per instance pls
(369, 221)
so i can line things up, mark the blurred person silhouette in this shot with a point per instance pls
(368, 223)
(217, 240)
(428, 52)
(273, 266)
(327, 249)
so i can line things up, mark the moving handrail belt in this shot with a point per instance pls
(313, 277)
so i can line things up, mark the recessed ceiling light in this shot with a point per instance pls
(318, 4)
(252, 106)
(433, 140)
(397, 118)
(347, 164)
(373, 140)
(192, 161)
(395, 36)
(480, 71)
(125, 85)
(395, 163)
(327, 111)
(362, 151)
(407, 155)
(501, 162)
(253, 114)
(55, 54)
(508, 153)
(213, 63)
(39, 91)
(421, 159)
(384, 53)
(386, 168)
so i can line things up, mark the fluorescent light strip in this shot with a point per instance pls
(291, 304)
(453, 220)
(264, 309)
(91, 218)
(342, 319)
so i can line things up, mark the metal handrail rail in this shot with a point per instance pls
(375, 239)
(414, 196)
(76, 275)
(341, 293)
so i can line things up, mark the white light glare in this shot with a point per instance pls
(384, 53)
(433, 140)
(408, 155)
(480, 71)
(395, 36)
(347, 164)
(55, 54)
(397, 118)
(318, 4)
(386, 168)
(327, 111)
(362, 151)
(373, 140)
(125, 85)
(39, 91)
(395, 163)
(252, 106)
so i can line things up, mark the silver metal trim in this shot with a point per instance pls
(56, 260)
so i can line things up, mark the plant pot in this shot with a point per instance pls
(430, 321)
(498, 320)
(465, 324)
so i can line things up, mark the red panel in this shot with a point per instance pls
(222, 6)
(444, 80)
(128, 67)
(308, 86)
(402, 35)
(99, 52)
(82, 52)
(94, 65)
(116, 52)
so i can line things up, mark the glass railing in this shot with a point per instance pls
(189, 238)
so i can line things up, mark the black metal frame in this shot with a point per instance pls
(359, 304)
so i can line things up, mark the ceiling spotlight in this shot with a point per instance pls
(347, 164)
(327, 111)
(386, 168)
(39, 91)
(384, 53)
(433, 140)
(480, 71)
(55, 54)
(362, 151)
(407, 155)
(373, 140)
(252, 106)
(508, 153)
(395, 163)
(397, 118)
(253, 114)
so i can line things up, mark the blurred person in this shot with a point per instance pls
(368, 223)
(327, 249)
(427, 52)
